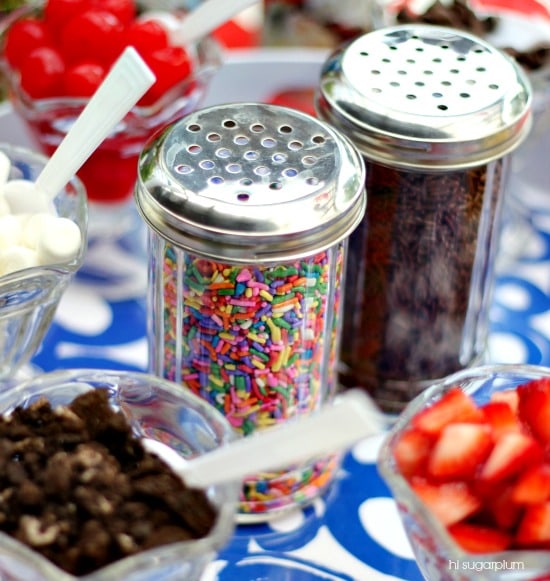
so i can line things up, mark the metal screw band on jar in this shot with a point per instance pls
(251, 182)
(425, 96)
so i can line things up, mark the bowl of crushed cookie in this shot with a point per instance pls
(81, 495)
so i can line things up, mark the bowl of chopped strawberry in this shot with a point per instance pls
(55, 55)
(468, 463)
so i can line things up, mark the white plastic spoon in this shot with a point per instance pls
(335, 427)
(207, 17)
(127, 81)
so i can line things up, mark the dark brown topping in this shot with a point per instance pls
(78, 487)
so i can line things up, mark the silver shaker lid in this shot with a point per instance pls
(426, 96)
(251, 182)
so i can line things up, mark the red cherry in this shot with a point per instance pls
(22, 37)
(83, 79)
(171, 65)
(58, 12)
(124, 10)
(95, 35)
(42, 72)
(146, 36)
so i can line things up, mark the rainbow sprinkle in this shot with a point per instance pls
(259, 342)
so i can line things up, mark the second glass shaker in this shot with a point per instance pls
(435, 113)
(249, 209)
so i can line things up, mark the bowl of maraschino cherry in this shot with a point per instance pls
(56, 53)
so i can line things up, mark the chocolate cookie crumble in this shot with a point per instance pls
(78, 487)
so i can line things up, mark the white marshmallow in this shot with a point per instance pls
(32, 226)
(59, 241)
(17, 258)
(23, 197)
(4, 206)
(5, 167)
(10, 231)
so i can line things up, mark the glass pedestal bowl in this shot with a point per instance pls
(29, 297)
(158, 410)
(438, 556)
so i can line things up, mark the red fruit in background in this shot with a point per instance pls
(42, 73)
(299, 99)
(534, 408)
(92, 35)
(454, 406)
(83, 79)
(459, 451)
(58, 12)
(480, 539)
(171, 65)
(124, 10)
(146, 36)
(22, 38)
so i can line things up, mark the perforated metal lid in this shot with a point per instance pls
(251, 182)
(426, 96)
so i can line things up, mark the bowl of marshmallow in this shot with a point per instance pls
(42, 245)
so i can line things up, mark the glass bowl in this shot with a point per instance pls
(438, 556)
(158, 410)
(30, 297)
(110, 172)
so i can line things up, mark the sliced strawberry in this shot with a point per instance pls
(509, 396)
(454, 406)
(501, 508)
(460, 450)
(450, 502)
(534, 527)
(533, 486)
(501, 417)
(475, 538)
(511, 454)
(411, 452)
(534, 408)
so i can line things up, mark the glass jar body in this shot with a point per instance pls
(257, 341)
(420, 276)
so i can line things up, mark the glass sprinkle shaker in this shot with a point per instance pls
(249, 208)
(435, 113)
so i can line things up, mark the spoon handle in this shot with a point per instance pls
(335, 427)
(208, 16)
(127, 81)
